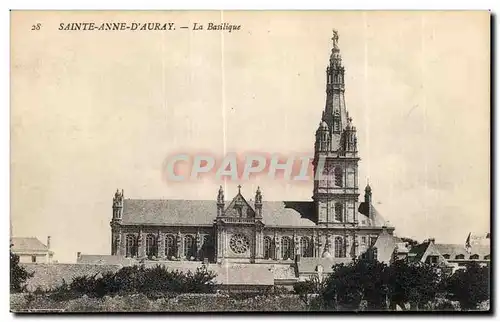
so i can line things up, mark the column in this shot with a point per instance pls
(219, 242)
(198, 246)
(161, 244)
(180, 246)
(141, 243)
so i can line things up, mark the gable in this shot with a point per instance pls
(239, 207)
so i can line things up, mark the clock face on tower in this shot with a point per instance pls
(239, 244)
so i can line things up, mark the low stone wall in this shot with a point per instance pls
(47, 276)
(253, 276)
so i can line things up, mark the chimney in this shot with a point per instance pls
(432, 240)
(78, 254)
(48, 242)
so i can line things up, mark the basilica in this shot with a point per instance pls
(334, 225)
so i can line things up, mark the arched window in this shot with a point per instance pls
(268, 251)
(131, 246)
(487, 257)
(286, 248)
(151, 246)
(446, 256)
(339, 215)
(339, 247)
(170, 247)
(475, 256)
(461, 256)
(189, 247)
(305, 247)
(338, 177)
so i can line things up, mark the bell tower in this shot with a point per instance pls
(336, 154)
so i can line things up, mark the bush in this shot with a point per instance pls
(470, 287)
(306, 289)
(156, 282)
(18, 275)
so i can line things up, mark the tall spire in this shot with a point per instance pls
(335, 150)
(335, 113)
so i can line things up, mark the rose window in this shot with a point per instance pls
(239, 243)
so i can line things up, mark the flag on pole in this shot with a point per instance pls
(467, 244)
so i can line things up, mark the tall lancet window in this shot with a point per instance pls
(286, 248)
(305, 247)
(170, 246)
(339, 212)
(268, 251)
(336, 121)
(338, 177)
(131, 246)
(189, 247)
(339, 247)
(151, 246)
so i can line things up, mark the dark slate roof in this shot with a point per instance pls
(417, 251)
(24, 244)
(203, 212)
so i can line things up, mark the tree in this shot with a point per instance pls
(409, 241)
(414, 283)
(18, 274)
(305, 289)
(470, 287)
(360, 280)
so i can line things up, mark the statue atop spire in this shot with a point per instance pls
(258, 196)
(335, 38)
(220, 195)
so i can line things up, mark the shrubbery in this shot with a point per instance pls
(469, 287)
(153, 282)
(370, 285)
(18, 275)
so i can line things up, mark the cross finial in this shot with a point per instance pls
(239, 188)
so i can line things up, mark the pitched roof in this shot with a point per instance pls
(23, 244)
(203, 212)
(227, 273)
(372, 214)
(309, 265)
(417, 251)
(164, 212)
(243, 274)
(458, 249)
(385, 245)
(104, 259)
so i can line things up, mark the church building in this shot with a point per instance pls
(333, 225)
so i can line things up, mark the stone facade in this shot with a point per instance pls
(333, 225)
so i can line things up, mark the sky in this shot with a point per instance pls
(95, 111)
